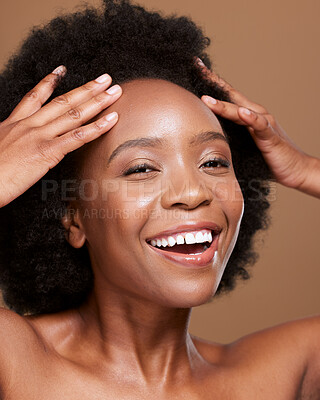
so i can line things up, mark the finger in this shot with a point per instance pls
(70, 100)
(54, 150)
(237, 97)
(36, 97)
(260, 126)
(224, 109)
(78, 116)
(212, 75)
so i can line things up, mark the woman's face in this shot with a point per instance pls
(164, 170)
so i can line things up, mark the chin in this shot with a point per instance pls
(188, 295)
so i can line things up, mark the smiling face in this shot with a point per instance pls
(164, 171)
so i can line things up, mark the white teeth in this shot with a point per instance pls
(180, 239)
(171, 241)
(190, 239)
(199, 237)
(164, 243)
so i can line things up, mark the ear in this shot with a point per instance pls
(74, 231)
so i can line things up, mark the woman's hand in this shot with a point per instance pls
(289, 165)
(34, 139)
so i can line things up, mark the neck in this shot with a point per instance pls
(147, 340)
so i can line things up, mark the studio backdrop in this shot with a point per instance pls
(269, 51)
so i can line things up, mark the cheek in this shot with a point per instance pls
(236, 205)
(228, 193)
(130, 204)
(230, 197)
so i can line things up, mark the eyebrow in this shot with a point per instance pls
(146, 142)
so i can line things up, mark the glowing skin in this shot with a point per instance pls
(176, 191)
(130, 340)
(137, 316)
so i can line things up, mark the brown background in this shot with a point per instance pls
(269, 51)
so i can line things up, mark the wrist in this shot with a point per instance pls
(311, 182)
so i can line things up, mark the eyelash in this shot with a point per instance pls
(133, 170)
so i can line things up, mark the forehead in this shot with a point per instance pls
(153, 108)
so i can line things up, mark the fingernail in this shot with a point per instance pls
(114, 89)
(246, 111)
(111, 116)
(200, 62)
(210, 100)
(61, 70)
(103, 78)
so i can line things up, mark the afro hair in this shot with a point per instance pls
(40, 272)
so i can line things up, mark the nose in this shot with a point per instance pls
(185, 191)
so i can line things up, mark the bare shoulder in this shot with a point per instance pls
(297, 340)
(14, 326)
(295, 344)
(287, 353)
(18, 343)
(301, 337)
(302, 334)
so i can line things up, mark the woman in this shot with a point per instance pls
(112, 229)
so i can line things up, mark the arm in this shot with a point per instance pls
(22, 351)
(311, 184)
(310, 388)
(11, 327)
(289, 165)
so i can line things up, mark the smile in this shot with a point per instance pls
(195, 242)
(195, 247)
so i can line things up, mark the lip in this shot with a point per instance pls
(189, 227)
(196, 261)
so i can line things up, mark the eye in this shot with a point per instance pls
(139, 169)
(216, 163)
(146, 168)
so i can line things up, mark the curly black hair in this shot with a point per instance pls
(40, 272)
